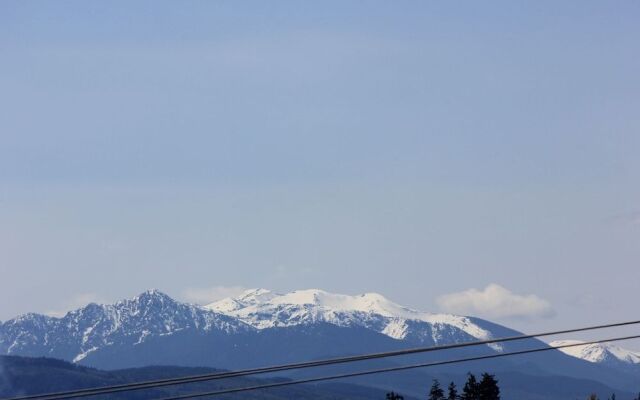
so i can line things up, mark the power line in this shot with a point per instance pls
(309, 364)
(390, 369)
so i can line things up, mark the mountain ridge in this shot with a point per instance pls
(154, 313)
(599, 352)
(98, 325)
(262, 309)
(263, 328)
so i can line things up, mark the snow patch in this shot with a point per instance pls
(597, 352)
(84, 354)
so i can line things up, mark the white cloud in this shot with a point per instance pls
(495, 301)
(211, 294)
(78, 301)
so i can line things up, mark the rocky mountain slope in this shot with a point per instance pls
(125, 323)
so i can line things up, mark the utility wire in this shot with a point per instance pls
(391, 369)
(285, 367)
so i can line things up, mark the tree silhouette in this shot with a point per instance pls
(471, 389)
(394, 396)
(436, 392)
(488, 388)
(453, 392)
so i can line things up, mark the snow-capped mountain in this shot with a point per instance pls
(87, 334)
(262, 328)
(264, 309)
(96, 326)
(599, 352)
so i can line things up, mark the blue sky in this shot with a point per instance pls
(415, 149)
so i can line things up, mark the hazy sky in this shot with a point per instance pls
(416, 149)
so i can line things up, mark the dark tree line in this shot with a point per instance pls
(485, 389)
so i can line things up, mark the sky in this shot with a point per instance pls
(469, 157)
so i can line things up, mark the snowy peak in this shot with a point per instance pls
(153, 295)
(366, 303)
(598, 352)
(372, 303)
(251, 297)
(263, 309)
(149, 299)
(97, 326)
(256, 296)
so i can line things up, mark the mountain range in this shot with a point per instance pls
(261, 327)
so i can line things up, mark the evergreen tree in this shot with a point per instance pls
(453, 392)
(488, 388)
(436, 392)
(470, 391)
(394, 396)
